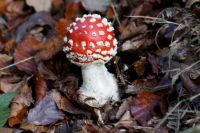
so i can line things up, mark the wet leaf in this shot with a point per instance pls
(5, 100)
(45, 112)
(40, 5)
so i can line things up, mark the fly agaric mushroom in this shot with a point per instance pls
(90, 43)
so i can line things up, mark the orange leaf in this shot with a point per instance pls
(9, 45)
(61, 26)
(73, 10)
(17, 119)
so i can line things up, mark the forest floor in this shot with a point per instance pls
(157, 67)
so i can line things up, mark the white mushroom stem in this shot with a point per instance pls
(99, 86)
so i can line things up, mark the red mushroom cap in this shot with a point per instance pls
(90, 39)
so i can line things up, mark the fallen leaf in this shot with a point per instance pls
(143, 105)
(132, 30)
(34, 128)
(45, 112)
(37, 19)
(49, 49)
(126, 121)
(5, 100)
(23, 51)
(48, 74)
(20, 104)
(40, 5)
(154, 63)
(92, 5)
(124, 107)
(10, 84)
(15, 8)
(4, 4)
(7, 130)
(140, 66)
(18, 118)
(4, 61)
(9, 45)
(64, 104)
(136, 44)
(40, 86)
(57, 4)
(61, 26)
(73, 9)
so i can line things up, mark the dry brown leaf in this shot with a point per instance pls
(73, 9)
(16, 8)
(34, 128)
(132, 30)
(18, 118)
(20, 104)
(4, 4)
(10, 84)
(40, 5)
(64, 104)
(49, 49)
(136, 44)
(23, 51)
(40, 86)
(9, 45)
(140, 66)
(61, 26)
(143, 106)
(4, 61)
(56, 4)
(45, 112)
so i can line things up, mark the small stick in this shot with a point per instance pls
(14, 64)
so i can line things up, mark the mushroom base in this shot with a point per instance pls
(99, 86)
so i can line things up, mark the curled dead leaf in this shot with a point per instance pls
(40, 86)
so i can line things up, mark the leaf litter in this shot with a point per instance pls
(157, 67)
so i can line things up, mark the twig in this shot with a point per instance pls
(114, 10)
(173, 109)
(161, 20)
(14, 64)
